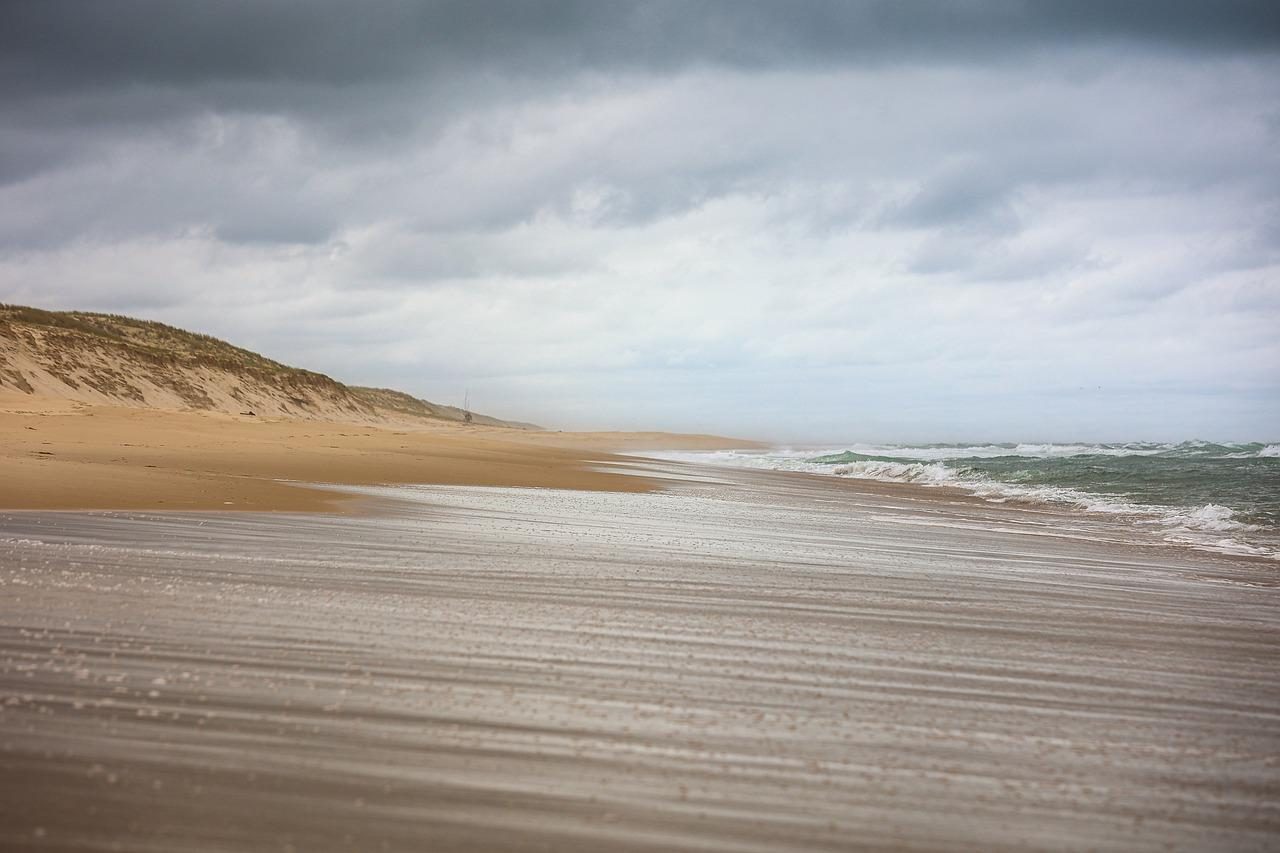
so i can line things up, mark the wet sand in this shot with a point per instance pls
(748, 661)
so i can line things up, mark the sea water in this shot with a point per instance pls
(1220, 496)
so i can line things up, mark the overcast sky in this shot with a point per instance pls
(799, 221)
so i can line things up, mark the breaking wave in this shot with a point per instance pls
(1220, 496)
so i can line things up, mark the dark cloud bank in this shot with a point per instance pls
(55, 45)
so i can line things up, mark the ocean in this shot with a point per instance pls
(1215, 496)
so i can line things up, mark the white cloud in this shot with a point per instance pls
(910, 251)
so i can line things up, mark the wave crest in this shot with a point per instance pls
(1210, 517)
(1209, 525)
(898, 472)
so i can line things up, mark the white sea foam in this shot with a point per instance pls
(1208, 517)
(928, 453)
(1201, 527)
(1043, 450)
(992, 451)
(902, 472)
(1047, 450)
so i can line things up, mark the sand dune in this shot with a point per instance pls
(107, 359)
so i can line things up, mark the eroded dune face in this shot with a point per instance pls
(747, 662)
(115, 360)
(104, 359)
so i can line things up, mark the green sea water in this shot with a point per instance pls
(1243, 478)
(1220, 496)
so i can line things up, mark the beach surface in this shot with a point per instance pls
(66, 454)
(752, 661)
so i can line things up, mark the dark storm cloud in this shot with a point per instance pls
(50, 45)
(74, 75)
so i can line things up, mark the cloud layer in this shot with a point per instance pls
(879, 220)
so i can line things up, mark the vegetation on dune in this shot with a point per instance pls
(394, 401)
(155, 341)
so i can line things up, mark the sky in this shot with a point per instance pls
(804, 222)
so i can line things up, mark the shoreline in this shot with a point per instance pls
(1220, 523)
(68, 456)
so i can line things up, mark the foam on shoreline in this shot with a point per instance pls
(1209, 525)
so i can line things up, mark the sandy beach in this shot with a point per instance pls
(65, 454)
(740, 661)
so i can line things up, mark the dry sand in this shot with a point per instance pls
(64, 454)
(748, 661)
